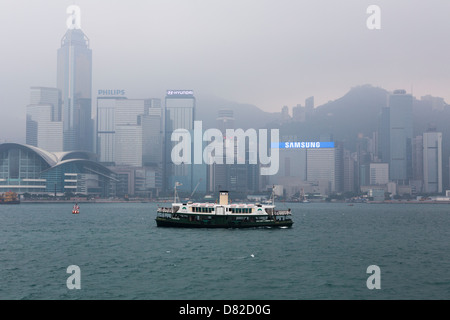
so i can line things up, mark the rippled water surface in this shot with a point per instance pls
(123, 255)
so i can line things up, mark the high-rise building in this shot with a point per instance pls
(379, 173)
(432, 162)
(417, 159)
(180, 114)
(309, 105)
(299, 113)
(43, 120)
(129, 141)
(349, 171)
(285, 117)
(401, 133)
(74, 80)
(218, 175)
(152, 130)
(384, 135)
(129, 131)
(105, 128)
(321, 166)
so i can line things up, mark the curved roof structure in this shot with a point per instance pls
(54, 159)
(50, 158)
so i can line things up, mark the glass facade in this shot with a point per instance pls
(180, 114)
(74, 80)
(25, 169)
(432, 162)
(20, 170)
(400, 135)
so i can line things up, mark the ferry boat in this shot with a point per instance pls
(223, 215)
(9, 197)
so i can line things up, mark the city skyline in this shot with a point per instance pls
(292, 67)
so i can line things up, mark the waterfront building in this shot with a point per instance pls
(321, 165)
(378, 173)
(28, 169)
(432, 162)
(137, 181)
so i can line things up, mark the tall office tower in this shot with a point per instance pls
(74, 80)
(379, 173)
(321, 166)
(105, 124)
(152, 130)
(339, 163)
(128, 146)
(383, 135)
(218, 174)
(285, 117)
(179, 114)
(401, 131)
(349, 172)
(432, 162)
(417, 158)
(309, 105)
(43, 120)
(292, 165)
(299, 113)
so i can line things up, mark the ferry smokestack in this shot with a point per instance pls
(223, 199)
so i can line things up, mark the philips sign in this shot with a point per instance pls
(108, 92)
(303, 145)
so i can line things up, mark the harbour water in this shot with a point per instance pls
(325, 255)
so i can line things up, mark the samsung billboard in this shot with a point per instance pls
(303, 145)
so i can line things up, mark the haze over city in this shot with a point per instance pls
(267, 53)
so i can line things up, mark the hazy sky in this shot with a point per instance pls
(269, 53)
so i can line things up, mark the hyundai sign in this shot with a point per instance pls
(180, 92)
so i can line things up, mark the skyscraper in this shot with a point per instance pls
(321, 166)
(384, 135)
(106, 133)
(432, 161)
(74, 80)
(43, 121)
(179, 114)
(400, 136)
(128, 125)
